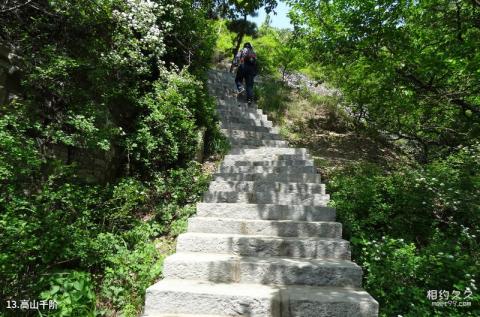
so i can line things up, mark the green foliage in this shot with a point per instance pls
(128, 273)
(279, 50)
(420, 223)
(191, 41)
(167, 130)
(273, 98)
(128, 198)
(409, 68)
(166, 133)
(225, 39)
(236, 8)
(216, 142)
(109, 81)
(17, 152)
(73, 294)
(175, 203)
(94, 229)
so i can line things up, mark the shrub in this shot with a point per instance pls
(73, 294)
(414, 229)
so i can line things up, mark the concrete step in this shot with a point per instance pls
(264, 246)
(224, 268)
(279, 187)
(241, 300)
(280, 228)
(266, 198)
(251, 135)
(277, 177)
(198, 297)
(267, 163)
(258, 143)
(267, 169)
(266, 212)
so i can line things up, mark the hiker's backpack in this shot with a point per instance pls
(249, 56)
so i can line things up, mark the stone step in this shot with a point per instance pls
(251, 112)
(224, 268)
(267, 169)
(254, 115)
(310, 301)
(252, 135)
(247, 127)
(200, 297)
(223, 83)
(247, 111)
(223, 91)
(287, 187)
(258, 143)
(280, 228)
(247, 118)
(264, 246)
(229, 103)
(251, 146)
(270, 151)
(265, 157)
(181, 315)
(269, 163)
(241, 109)
(246, 121)
(277, 177)
(266, 212)
(252, 300)
(266, 198)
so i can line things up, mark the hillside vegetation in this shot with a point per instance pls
(97, 148)
(397, 144)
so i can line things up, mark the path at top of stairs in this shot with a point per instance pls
(264, 243)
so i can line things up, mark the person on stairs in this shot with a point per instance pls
(246, 60)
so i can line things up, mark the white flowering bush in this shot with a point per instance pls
(106, 88)
(141, 31)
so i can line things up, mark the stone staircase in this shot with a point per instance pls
(263, 242)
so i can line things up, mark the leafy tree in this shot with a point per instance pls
(109, 81)
(281, 49)
(238, 8)
(408, 67)
(236, 11)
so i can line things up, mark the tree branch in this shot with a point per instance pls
(431, 89)
(16, 7)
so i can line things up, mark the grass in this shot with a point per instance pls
(322, 124)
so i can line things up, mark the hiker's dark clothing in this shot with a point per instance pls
(247, 71)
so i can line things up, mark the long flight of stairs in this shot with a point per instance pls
(263, 242)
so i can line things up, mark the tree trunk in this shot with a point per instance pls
(238, 41)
